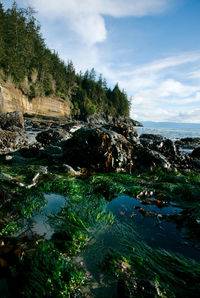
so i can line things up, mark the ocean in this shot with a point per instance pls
(170, 130)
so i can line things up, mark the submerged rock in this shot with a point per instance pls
(98, 149)
(10, 121)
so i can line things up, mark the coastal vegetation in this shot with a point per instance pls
(63, 265)
(26, 60)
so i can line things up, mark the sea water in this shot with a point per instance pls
(170, 130)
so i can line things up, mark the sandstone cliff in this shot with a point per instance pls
(12, 99)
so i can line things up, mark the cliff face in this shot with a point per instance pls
(12, 99)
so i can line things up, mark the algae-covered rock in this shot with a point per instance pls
(98, 149)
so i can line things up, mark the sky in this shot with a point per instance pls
(150, 47)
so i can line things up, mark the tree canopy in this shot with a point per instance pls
(37, 71)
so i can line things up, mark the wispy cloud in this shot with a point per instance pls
(165, 89)
(159, 96)
(86, 18)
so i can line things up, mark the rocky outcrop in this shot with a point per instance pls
(12, 99)
(196, 153)
(98, 149)
(10, 121)
(52, 136)
(145, 158)
(104, 119)
(125, 129)
(12, 141)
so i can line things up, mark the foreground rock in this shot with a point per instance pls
(196, 153)
(10, 121)
(145, 159)
(52, 136)
(12, 141)
(98, 149)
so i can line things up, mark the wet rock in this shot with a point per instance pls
(12, 141)
(158, 143)
(69, 170)
(188, 143)
(131, 287)
(196, 153)
(144, 158)
(10, 121)
(103, 119)
(152, 137)
(52, 136)
(98, 149)
(125, 129)
(31, 152)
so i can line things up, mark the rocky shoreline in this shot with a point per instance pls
(92, 165)
(95, 145)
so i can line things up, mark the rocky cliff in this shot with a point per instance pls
(12, 99)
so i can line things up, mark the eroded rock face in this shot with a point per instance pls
(12, 141)
(10, 121)
(98, 149)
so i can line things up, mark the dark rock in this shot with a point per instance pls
(125, 129)
(52, 151)
(188, 143)
(10, 121)
(145, 158)
(162, 145)
(12, 141)
(98, 149)
(196, 153)
(31, 152)
(101, 118)
(130, 287)
(151, 137)
(52, 136)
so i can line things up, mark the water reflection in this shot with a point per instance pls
(154, 225)
(39, 223)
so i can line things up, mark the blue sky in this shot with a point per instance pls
(150, 47)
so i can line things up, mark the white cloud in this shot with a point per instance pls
(85, 17)
(167, 89)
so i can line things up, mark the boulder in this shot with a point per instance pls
(52, 136)
(98, 149)
(145, 158)
(10, 121)
(12, 141)
(162, 145)
(125, 129)
(153, 137)
(188, 143)
(195, 153)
